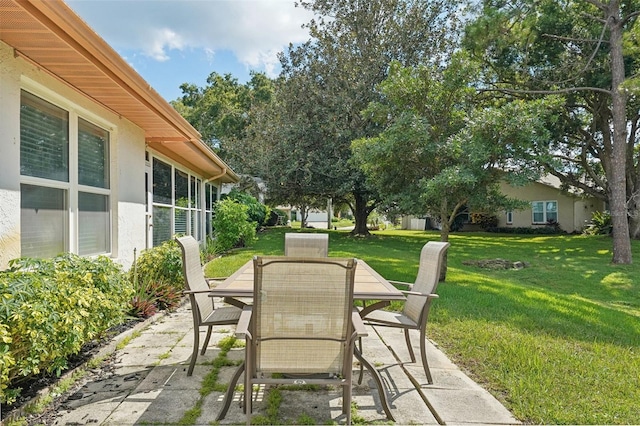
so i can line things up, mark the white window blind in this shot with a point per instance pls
(93, 155)
(161, 224)
(44, 139)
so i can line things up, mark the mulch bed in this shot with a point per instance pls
(33, 386)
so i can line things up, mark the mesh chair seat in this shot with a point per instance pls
(392, 318)
(226, 315)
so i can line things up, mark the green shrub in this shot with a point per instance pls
(484, 220)
(256, 211)
(600, 224)
(230, 225)
(6, 360)
(157, 278)
(541, 230)
(50, 308)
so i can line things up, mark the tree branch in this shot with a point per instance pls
(630, 16)
(548, 92)
(597, 4)
(563, 38)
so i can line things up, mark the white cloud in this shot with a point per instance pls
(254, 30)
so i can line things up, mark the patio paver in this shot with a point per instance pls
(149, 385)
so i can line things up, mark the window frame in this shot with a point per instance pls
(71, 238)
(545, 211)
(191, 206)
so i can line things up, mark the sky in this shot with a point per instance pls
(171, 42)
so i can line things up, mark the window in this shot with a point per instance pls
(509, 217)
(162, 202)
(210, 198)
(176, 203)
(544, 211)
(94, 219)
(49, 189)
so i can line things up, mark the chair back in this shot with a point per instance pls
(194, 276)
(306, 245)
(301, 319)
(431, 258)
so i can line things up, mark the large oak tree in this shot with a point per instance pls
(336, 74)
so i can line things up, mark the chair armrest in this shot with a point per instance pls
(196, 291)
(410, 285)
(216, 279)
(416, 293)
(242, 329)
(358, 324)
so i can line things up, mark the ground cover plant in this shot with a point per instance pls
(558, 342)
(49, 309)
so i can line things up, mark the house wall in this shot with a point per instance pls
(573, 212)
(9, 158)
(127, 156)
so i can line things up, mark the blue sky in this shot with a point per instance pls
(170, 42)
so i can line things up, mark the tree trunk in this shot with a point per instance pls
(444, 237)
(617, 182)
(361, 214)
(304, 214)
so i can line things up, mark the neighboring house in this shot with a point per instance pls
(92, 159)
(548, 203)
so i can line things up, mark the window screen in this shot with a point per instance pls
(162, 188)
(161, 225)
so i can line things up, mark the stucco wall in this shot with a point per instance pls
(129, 185)
(9, 156)
(539, 192)
(127, 148)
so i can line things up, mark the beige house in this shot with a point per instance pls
(92, 159)
(548, 203)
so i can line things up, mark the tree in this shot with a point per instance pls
(442, 149)
(582, 50)
(219, 111)
(333, 77)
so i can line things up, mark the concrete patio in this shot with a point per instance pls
(147, 384)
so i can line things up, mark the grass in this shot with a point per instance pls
(210, 381)
(557, 342)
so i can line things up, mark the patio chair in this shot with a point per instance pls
(416, 308)
(299, 334)
(306, 245)
(205, 314)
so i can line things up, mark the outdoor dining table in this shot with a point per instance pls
(369, 286)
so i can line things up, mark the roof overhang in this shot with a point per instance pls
(50, 35)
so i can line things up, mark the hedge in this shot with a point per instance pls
(50, 308)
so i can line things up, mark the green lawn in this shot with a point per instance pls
(557, 342)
